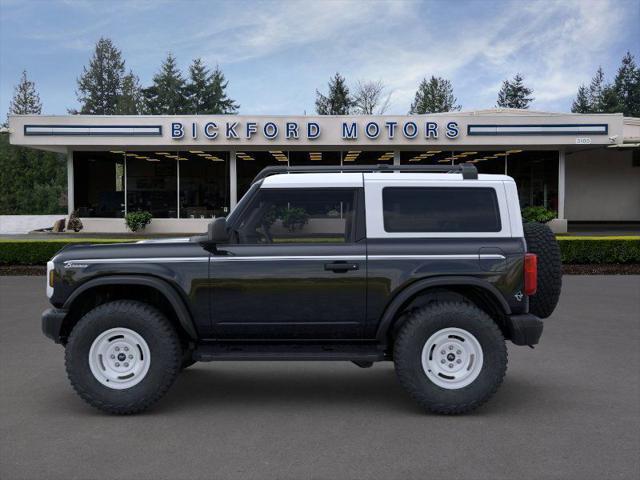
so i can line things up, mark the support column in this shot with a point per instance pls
(560, 224)
(70, 189)
(233, 180)
(396, 158)
(561, 177)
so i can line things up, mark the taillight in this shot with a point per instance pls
(530, 273)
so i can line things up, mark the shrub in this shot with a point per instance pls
(39, 252)
(585, 250)
(74, 222)
(137, 220)
(294, 217)
(538, 214)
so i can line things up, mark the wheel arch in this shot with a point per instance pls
(134, 287)
(477, 291)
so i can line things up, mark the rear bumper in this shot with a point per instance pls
(525, 329)
(52, 320)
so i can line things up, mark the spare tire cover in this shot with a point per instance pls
(541, 241)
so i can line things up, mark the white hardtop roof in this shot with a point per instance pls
(309, 180)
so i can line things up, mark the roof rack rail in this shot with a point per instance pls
(468, 170)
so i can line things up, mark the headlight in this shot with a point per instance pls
(50, 275)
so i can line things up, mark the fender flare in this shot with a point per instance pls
(414, 288)
(182, 312)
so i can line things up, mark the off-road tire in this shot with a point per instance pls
(541, 241)
(420, 325)
(158, 333)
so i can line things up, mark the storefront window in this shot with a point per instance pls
(204, 184)
(314, 158)
(152, 183)
(99, 184)
(367, 157)
(249, 164)
(536, 174)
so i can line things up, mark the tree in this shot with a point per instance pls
(219, 102)
(434, 95)
(627, 86)
(338, 101)
(206, 92)
(596, 91)
(100, 85)
(130, 101)
(31, 181)
(581, 104)
(514, 94)
(167, 95)
(370, 98)
(25, 99)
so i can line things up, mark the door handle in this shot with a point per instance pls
(341, 267)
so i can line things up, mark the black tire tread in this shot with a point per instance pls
(165, 329)
(405, 335)
(541, 241)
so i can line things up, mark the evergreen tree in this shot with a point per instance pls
(219, 102)
(100, 85)
(596, 91)
(433, 96)
(206, 91)
(167, 95)
(130, 101)
(25, 99)
(338, 101)
(581, 104)
(514, 94)
(627, 86)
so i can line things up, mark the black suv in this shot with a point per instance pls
(429, 267)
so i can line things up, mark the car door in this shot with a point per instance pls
(296, 269)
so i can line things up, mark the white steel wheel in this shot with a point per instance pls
(119, 358)
(452, 358)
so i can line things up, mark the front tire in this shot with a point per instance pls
(451, 357)
(123, 356)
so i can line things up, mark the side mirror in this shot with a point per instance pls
(217, 231)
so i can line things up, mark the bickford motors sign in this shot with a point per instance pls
(295, 130)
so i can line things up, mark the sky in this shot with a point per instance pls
(275, 54)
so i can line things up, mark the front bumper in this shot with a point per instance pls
(52, 320)
(524, 329)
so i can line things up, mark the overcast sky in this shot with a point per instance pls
(275, 54)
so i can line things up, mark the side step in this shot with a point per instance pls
(211, 352)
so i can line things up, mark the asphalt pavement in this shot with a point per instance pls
(570, 409)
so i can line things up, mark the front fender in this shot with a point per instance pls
(184, 316)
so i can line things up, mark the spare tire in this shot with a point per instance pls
(541, 241)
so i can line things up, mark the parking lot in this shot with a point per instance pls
(568, 409)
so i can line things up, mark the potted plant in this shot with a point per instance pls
(137, 220)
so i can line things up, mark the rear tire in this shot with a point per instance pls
(541, 241)
(123, 356)
(469, 371)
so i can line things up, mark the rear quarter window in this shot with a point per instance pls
(440, 209)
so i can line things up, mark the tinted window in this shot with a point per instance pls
(298, 216)
(451, 209)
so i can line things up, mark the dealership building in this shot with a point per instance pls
(186, 170)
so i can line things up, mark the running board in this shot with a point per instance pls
(282, 351)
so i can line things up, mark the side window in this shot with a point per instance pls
(299, 216)
(440, 209)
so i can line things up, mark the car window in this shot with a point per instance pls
(299, 216)
(440, 209)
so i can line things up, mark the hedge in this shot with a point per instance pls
(599, 250)
(38, 252)
(574, 250)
